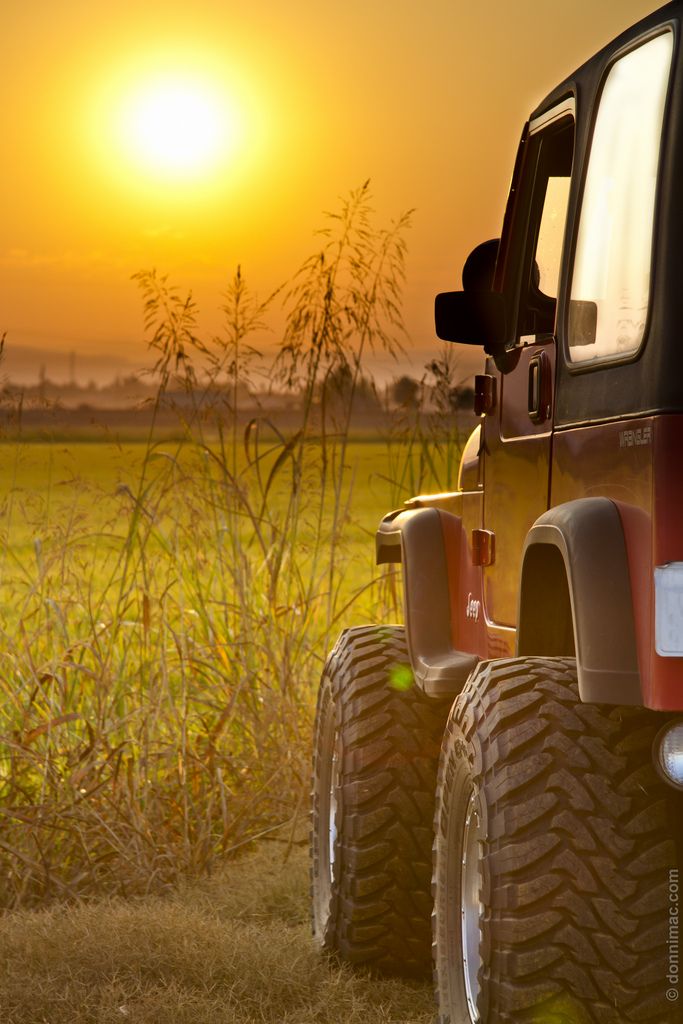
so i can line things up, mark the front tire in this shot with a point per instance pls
(576, 845)
(376, 754)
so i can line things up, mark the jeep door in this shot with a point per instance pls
(518, 431)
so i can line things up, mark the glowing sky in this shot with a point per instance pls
(425, 100)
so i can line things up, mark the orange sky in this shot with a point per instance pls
(427, 101)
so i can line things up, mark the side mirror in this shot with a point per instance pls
(471, 318)
(475, 316)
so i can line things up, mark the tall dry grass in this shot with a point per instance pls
(158, 666)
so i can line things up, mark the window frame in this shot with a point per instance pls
(558, 117)
(617, 359)
(519, 223)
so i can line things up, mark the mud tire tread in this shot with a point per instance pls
(580, 841)
(380, 905)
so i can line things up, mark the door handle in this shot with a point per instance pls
(539, 403)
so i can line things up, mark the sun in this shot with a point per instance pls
(177, 127)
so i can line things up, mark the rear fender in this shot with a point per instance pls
(575, 597)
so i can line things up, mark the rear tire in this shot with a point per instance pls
(377, 745)
(577, 842)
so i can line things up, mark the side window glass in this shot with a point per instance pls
(611, 279)
(551, 234)
(547, 218)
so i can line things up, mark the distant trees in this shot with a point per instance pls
(463, 398)
(447, 396)
(343, 387)
(435, 391)
(405, 391)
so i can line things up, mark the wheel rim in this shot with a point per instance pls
(470, 903)
(332, 812)
(327, 810)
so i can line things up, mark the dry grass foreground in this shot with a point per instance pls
(234, 949)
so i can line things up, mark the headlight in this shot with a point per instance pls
(668, 753)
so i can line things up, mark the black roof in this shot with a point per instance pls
(590, 73)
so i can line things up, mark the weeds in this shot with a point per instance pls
(158, 663)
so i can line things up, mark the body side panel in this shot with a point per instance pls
(614, 460)
(516, 471)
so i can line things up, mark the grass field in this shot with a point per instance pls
(121, 772)
(47, 489)
(166, 611)
(233, 949)
(63, 498)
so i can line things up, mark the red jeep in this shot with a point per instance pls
(510, 762)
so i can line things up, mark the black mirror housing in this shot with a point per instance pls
(471, 318)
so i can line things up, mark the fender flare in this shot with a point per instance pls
(589, 536)
(421, 540)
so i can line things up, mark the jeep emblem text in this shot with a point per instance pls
(635, 438)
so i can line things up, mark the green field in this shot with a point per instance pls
(52, 492)
(65, 512)
(166, 610)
